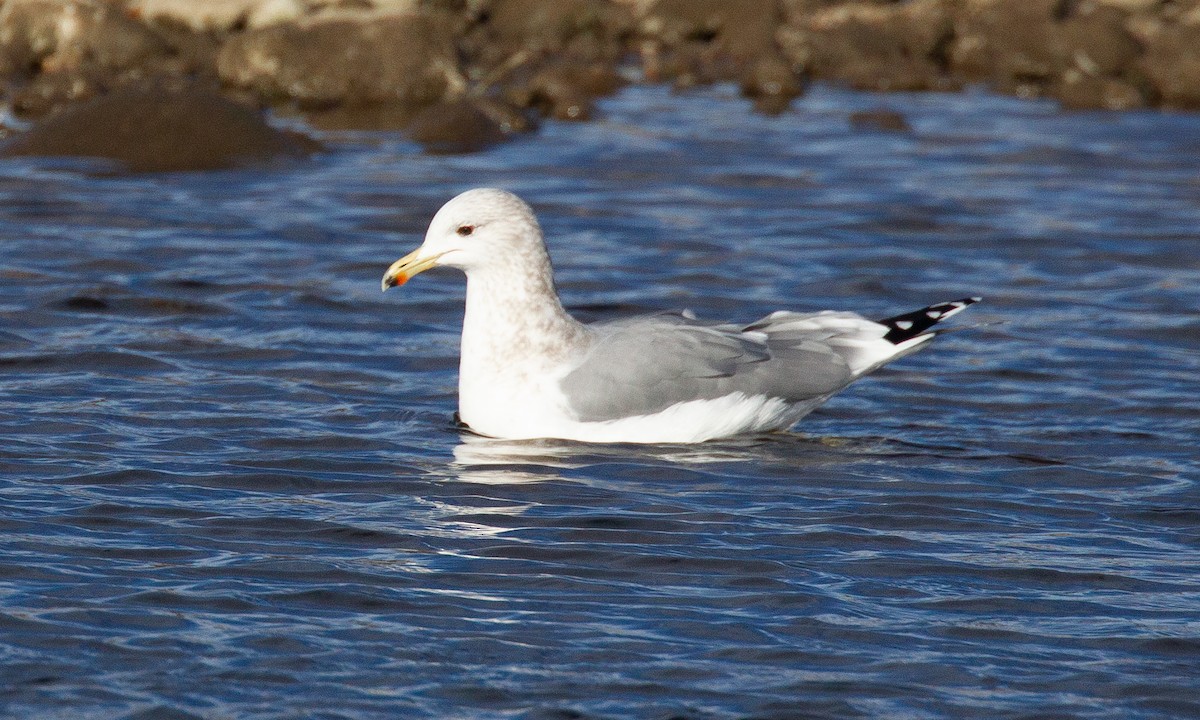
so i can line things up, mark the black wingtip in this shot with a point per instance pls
(910, 325)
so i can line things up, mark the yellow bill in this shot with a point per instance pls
(406, 267)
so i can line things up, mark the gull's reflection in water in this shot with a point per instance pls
(489, 460)
(508, 462)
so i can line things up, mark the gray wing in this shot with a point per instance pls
(646, 364)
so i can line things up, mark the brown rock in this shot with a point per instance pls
(885, 47)
(638, 7)
(1077, 91)
(1083, 53)
(1131, 5)
(596, 79)
(696, 42)
(879, 120)
(1098, 42)
(1017, 45)
(390, 117)
(157, 128)
(797, 12)
(42, 93)
(55, 52)
(217, 15)
(1172, 64)
(771, 80)
(462, 125)
(1144, 28)
(740, 29)
(70, 36)
(566, 89)
(687, 65)
(407, 59)
(540, 25)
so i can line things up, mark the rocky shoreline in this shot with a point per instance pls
(458, 75)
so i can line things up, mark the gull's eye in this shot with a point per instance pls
(465, 230)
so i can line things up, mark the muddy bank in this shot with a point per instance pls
(461, 74)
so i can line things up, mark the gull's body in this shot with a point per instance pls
(530, 370)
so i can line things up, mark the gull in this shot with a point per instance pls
(529, 370)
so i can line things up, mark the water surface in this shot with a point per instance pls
(231, 487)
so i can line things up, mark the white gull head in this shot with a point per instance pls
(481, 229)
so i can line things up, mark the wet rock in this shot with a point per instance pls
(71, 35)
(570, 106)
(740, 29)
(407, 59)
(1081, 52)
(388, 117)
(540, 25)
(688, 65)
(1131, 6)
(1100, 65)
(553, 57)
(217, 15)
(85, 303)
(381, 63)
(771, 83)
(1077, 91)
(464, 124)
(1172, 65)
(879, 120)
(987, 30)
(794, 9)
(565, 90)
(1098, 42)
(882, 47)
(225, 16)
(693, 42)
(697, 42)
(595, 79)
(54, 52)
(156, 127)
(42, 93)
(1016, 45)
(638, 7)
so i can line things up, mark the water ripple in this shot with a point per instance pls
(231, 486)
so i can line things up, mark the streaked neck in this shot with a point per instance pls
(513, 313)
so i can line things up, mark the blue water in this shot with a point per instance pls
(231, 486)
